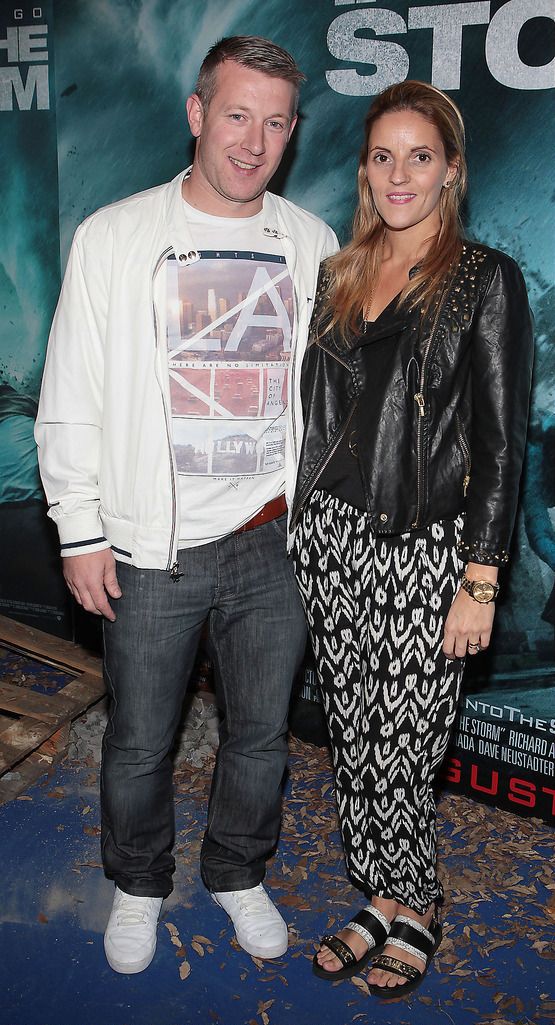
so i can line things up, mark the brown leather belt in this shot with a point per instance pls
(270, 511)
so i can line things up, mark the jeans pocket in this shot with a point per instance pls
(280, 526)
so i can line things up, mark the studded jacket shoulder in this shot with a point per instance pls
(446, 435)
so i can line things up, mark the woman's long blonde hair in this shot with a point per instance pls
(353, 271)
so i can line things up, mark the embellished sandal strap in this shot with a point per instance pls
(405, 920)
(391, 964)
(339, 948)
(371, 925)
(412, 937)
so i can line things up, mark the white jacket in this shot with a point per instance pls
(104, 423)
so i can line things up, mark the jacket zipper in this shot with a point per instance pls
(294, 358)
(173, 569)
(275, 233)
(311, 484)
(334, 355)
(420, 400)
(465, 450)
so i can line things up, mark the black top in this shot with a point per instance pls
(378, 340)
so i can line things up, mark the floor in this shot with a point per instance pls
(495, 965)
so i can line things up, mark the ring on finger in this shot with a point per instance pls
(475, 647)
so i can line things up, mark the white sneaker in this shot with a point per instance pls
(130, 937)
(259, 927)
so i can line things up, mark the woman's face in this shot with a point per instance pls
(406, 171)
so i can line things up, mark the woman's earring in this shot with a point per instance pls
(446, 185)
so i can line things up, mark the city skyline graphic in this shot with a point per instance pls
(229, 328)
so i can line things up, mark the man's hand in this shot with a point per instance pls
(91, 578)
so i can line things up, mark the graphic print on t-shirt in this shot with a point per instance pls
(229, 326)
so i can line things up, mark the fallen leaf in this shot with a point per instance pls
(264, 1005)
(361, 985)
(184, 970)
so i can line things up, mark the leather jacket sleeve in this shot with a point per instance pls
(501, 370)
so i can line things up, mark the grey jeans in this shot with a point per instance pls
(244, 586)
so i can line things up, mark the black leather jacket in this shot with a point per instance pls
(447, 434)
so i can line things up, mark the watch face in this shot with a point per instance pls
(482, 591)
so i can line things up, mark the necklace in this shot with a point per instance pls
(366, 312)
(368, 304)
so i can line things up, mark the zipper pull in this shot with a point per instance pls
(419, 399)
(174, 573)
(466, 482)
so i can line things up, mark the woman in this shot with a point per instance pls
(415, 395)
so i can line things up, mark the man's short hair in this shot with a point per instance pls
(250, 52)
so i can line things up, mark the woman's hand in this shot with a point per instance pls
(467, 627)
(468, 624)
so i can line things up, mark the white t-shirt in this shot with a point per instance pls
(229, 325)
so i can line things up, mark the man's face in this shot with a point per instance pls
(241, 139)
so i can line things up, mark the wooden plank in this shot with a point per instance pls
(47, 648)
(83, 691)
(25, 742)
(55, 708)
(5, 721)
(21, 738)
(31, 768)
(26, 734)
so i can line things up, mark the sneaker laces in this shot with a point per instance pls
(129, 914)
(254, 901)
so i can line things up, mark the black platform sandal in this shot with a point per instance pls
(369, 923)
(408, 935)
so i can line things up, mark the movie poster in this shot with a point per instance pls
(92, 104)
(31, 588)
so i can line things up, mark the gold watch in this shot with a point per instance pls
(483, 591)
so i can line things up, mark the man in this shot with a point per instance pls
(168, 431)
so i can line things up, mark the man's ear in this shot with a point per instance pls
(195, 115)
(291, 126)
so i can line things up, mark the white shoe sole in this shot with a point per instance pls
(264, 954)
(129, 969)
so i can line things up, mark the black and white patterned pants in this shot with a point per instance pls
(376, 608)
